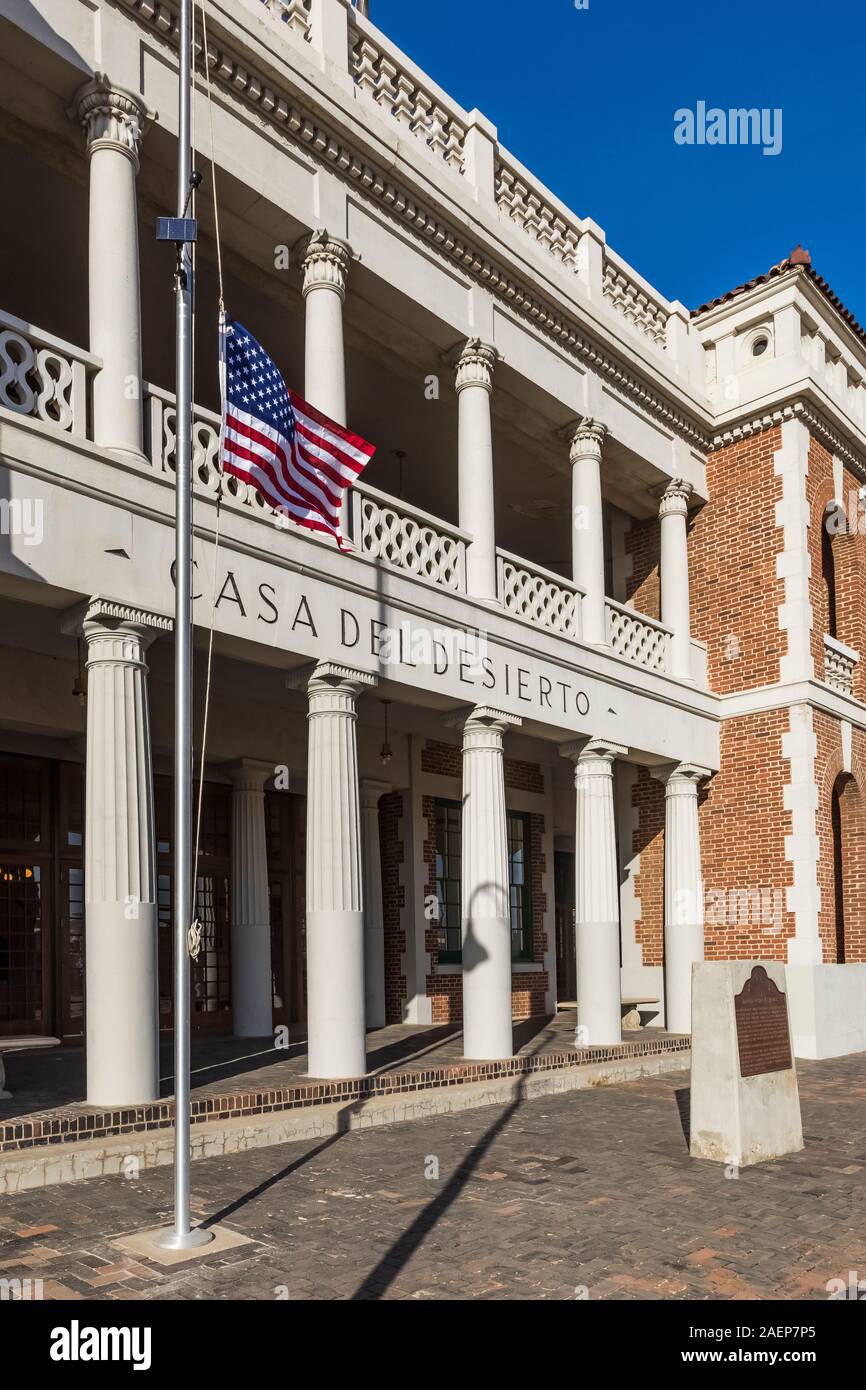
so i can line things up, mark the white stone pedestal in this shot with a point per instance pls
(735, 1118)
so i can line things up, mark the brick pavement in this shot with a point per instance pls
(537, 1200)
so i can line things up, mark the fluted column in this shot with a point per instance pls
(684, 893)
(326, 261)
(599, 1013)
(475, 363)
(374, 915)
(587, 531)
(335, 903)
(674, 566)
(486, 918)
(114, 121)
(252, 986)
(119, 866)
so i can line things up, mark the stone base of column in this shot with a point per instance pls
(122, 1005)
(335, 981)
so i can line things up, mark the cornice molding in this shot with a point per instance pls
(798, 409)
(304, 126)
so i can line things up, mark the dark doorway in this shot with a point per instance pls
(566, 974)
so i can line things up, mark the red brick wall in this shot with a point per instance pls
(648, 799)
(743, 824)
(643, 544)
(393, 900)
(446, 760)
(735, 594)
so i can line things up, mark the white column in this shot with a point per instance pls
(114, 121)
(252, 986)
(673, 509)
(474, 383)
(119, 866)
(326, 262)
(335, 914)
(374, 917)
(587, 530)
(599, 1013)
(487, 1031)
(684, 893)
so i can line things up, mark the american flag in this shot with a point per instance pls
(300, 461)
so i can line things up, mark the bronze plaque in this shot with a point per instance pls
(761, 1012)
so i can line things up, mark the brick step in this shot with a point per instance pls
(232, 1124)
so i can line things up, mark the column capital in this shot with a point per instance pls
(586, 437)
(330, 675)
(674, 500)
(111, 117)
(248, 774)
(326, 261)
(474, 362)
(586, 752)
(372, 792)
(483, 719)
(681, 779)
(100, 615)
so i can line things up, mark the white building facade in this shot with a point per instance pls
(420, 782)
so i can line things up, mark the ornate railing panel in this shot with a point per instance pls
(637, 637)
(839, 663)
(550, 226)
(44, 377)
(633, 301)
(408, 539)
(389, 79)
(537, 595)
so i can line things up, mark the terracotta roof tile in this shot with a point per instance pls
(799, 259)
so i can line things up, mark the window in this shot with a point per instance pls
(448, 882)
(519, 886)
(448, 869)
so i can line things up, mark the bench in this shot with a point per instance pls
(19, 1045)
(631, 1019)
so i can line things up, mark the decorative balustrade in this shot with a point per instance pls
(839, 663)
(294, 13)
(408, 539)
(393, 82)
(536, 214)
(161, 440)
(537, 596)
(633, 300)
(637, 637)
(44, 377)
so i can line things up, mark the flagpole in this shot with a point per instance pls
(183, 1236)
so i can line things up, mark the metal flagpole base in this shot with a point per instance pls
(191, 1240)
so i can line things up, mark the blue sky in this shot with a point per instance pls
(586, 100)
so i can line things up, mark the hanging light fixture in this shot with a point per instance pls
(79, 685)
(386, 752)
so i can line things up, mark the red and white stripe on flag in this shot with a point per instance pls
(303, 471)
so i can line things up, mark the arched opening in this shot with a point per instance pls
(838, 869)
(828, 578)
(848, 827)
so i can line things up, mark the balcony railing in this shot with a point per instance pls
(387, 77)
(637, 637)
(44, 377)
(47, 380)
(405, 538)
(537, 596)
(839, 664)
